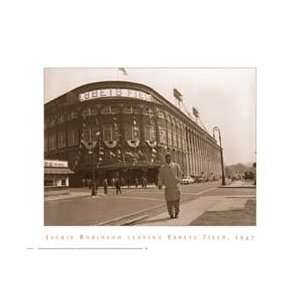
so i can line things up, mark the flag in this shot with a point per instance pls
(177, 94)
(195, 112)
(129, 154)
(112, 154)
(123, 70)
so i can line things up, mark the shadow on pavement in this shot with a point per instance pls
(239, 217)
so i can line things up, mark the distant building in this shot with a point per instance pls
(119, 128)
(56, 176)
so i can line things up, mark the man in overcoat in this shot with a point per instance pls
(170, 176)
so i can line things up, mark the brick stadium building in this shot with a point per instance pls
(119, 128)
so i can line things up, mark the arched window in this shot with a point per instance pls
(128, 109)
(115, 110)
(52, 121)
(174, 138)
(110, 132)
(72, 115)
(132, 132)
(72, 137)
(162, 135)
(148, 112)
(107, 132)
(149, 133)
(61, 139)
(161, 114)
(52, 142)
(90, 134)
(108, 109)
(89, 111)
(60, 118)
(45, 143)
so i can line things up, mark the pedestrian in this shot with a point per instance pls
(136, 182)
(118, 186)
(105, 185)
(112, 182)
(128, 182)
(144, 182)
(170, 176)
(122, 181)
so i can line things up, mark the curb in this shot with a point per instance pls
(67, 198)
(238, 187)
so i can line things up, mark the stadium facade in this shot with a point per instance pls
(120, 128)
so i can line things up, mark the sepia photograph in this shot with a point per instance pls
(131, 135)
(150, 146)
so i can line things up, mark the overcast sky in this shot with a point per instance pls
(224, 97)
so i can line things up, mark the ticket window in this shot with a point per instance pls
(56, 180)
(49, 180)
(62, 181)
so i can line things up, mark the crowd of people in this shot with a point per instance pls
(118, 183)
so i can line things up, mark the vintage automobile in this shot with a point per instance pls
(200, 179)
(187, 180)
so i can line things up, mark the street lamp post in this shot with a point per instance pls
(91, 152)
(221, 151)
(92, 147)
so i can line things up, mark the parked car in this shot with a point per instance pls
(199, 179)
(187, 180)
(212, 178)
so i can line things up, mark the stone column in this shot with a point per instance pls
(214, 160)
(209, 157)
(193, 152)
(196, 156)
(199, 155)
(187, 151)
(206, 158)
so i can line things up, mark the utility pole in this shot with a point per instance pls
(221, 150)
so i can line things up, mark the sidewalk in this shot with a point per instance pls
(85, 192)
(67, 196)
(192, 210)
(238, 184)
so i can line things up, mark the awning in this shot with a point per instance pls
(57, 171)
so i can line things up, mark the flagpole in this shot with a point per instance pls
(123, 70)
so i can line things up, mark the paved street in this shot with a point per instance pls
(87, 210)
(220, 206)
